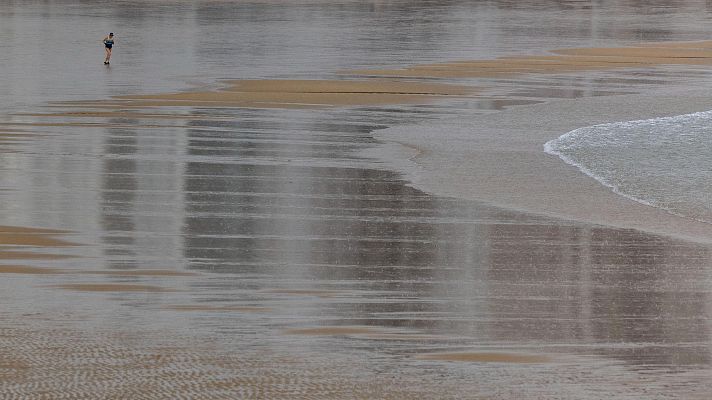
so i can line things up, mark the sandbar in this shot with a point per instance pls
(281, 93)
(560, 61)
(26, 236)
(28, 255)
(24, 269)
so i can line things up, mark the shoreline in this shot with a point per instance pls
(499, 159)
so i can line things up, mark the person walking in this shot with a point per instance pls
(108, 44)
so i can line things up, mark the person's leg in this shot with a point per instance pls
(108, 55)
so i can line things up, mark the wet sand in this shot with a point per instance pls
(304, 268)
(23, 269)
(19, 243)
(295, 94)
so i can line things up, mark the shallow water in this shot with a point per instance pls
(223, 253)
(662, 162)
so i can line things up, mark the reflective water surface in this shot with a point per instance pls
(261, 253)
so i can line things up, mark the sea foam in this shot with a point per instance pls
(662, 162)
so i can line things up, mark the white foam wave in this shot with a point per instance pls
(599, 151)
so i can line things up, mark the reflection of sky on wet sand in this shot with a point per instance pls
(302, 248)
(315, 272)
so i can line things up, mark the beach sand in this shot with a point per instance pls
(306, 268)
(563, 61)
(280, 93)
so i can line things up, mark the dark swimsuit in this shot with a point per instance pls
(108, 43)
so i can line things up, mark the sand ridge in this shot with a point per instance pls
(304, 94)
(18, 243)
(562, 61)
(25, 236)
(385, 86)
(28, 255)
(24, 269)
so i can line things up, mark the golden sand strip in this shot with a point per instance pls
(294, 94)
(118, 114)
(25, 239)
(316, 93)
(19, 236)
(486, 357)
(564, 60)
(25, 236)
(23, 269)
(278, 93)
